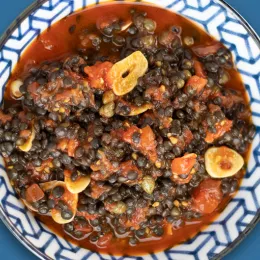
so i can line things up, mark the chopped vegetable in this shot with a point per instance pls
(97, 75)
(34, 193)
(77, 186)
(196, 84)
(15, 89)
(221, 128)
(123, 76)
(205, 50)
(148, 184)
(26, 147)
(223, 162)
(207, 197)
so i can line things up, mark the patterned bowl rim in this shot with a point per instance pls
(8, 32)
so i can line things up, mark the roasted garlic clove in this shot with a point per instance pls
(69, 198)
(77, 186)
(123, 76)
(139, 110)
(26, 147)
(29, 206)
(222, 162)
(15, 89)
(148, 184)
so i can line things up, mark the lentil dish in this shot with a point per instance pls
(125, 128)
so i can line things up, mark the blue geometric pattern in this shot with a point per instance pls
(244, 209)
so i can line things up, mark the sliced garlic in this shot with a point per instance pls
(77, 186)
(222, 162)
(26, 147)
(134, 66)
(139, 110)
(148, 184)
(70, 198)
(15, 88)
(50, 185)
(29, 206)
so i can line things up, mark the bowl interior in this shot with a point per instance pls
(241, 213)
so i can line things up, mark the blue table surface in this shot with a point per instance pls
(12, 249)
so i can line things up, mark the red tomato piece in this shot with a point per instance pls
(104, 164)
(207, 196)
(98, 189)
(25, 134)
(104, 240)
(183, 165)
(97, 74)
(72, 146)
(147, 144)
(221, 128)
(85, 229)
(128, 166)
(4, 117)
(205, 50)
(137, 218)
(34, 193)
(196, 83)
(127, 135)
(199, 71)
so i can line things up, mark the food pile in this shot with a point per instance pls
(129, 145)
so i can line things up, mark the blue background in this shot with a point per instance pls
(11, 249)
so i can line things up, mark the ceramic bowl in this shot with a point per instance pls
(241, 214)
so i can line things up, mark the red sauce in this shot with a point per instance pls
(57, 42)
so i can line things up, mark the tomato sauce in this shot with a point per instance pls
(58, 42)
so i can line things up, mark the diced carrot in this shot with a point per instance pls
(34, 193)
(196, 83)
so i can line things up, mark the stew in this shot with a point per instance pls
(125, 128)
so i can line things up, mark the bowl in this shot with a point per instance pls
(243, 211)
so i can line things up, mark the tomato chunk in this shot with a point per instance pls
(97, 74)
(4, 117)
(221, 128)
(147, 143)
(34, 193)
(205, 50)
(127, 167)
(199, 71)
(196, 83)
(207, 196)
(138, 216)
(183, 165)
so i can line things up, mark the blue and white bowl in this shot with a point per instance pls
(241, 214)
